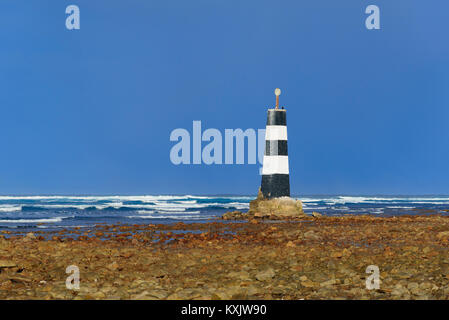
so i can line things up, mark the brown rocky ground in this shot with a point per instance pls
(312, 258)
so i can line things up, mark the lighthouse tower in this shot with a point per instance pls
(275, 173)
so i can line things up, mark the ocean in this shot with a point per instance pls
(56, 212)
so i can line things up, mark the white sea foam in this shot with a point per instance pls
(237, 205)
(144, 198)
(158, 205)
(58, 226)
(399, 207)
(374, 200)
(306, 207)
(175, 209)
(183, 217)
(167, 212)
(31, 220)
(10, 208)
(145, 211)
(179, 212)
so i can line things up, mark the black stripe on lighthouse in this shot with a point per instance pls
(275, 171)
(276, 148)
(276, 117)
(275, 186)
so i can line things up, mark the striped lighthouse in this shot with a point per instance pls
(275, 173)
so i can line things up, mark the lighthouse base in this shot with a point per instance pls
(275, 208)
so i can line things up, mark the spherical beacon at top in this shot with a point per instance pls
(277, 92)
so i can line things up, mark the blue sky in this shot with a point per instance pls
(90, 111)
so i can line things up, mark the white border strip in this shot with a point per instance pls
(276, 133)
(275, 165)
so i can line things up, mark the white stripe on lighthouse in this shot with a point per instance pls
(276, 133)
(275, 165)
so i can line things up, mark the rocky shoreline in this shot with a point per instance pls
(313, 258)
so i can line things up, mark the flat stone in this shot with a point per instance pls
(265, 275)
(150, 295)
(444, 234)
(185, 294)
(311, 235)
(242, 275)
(328, 283)
(308, 284)
(7, 264)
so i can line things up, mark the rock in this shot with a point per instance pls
(7, 264)
(414, 288)
(427, 250)
(236, 293)
(20, 279)
(185, 294)
(260, 215)
(113, 266)
(316, 214)
(426, 286)
(31, 235)
(328, 283)
(307, 284)
(399, 290)
(242, 275)
(290, 244)
(252, 290)
(276, 208)
(412, 285)
(98, 295)
(150, 295)
(160, 294)
(295, 234)
(265, 275)
(311, 235)
(444, 234)
(233, 215)
(337, 254)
